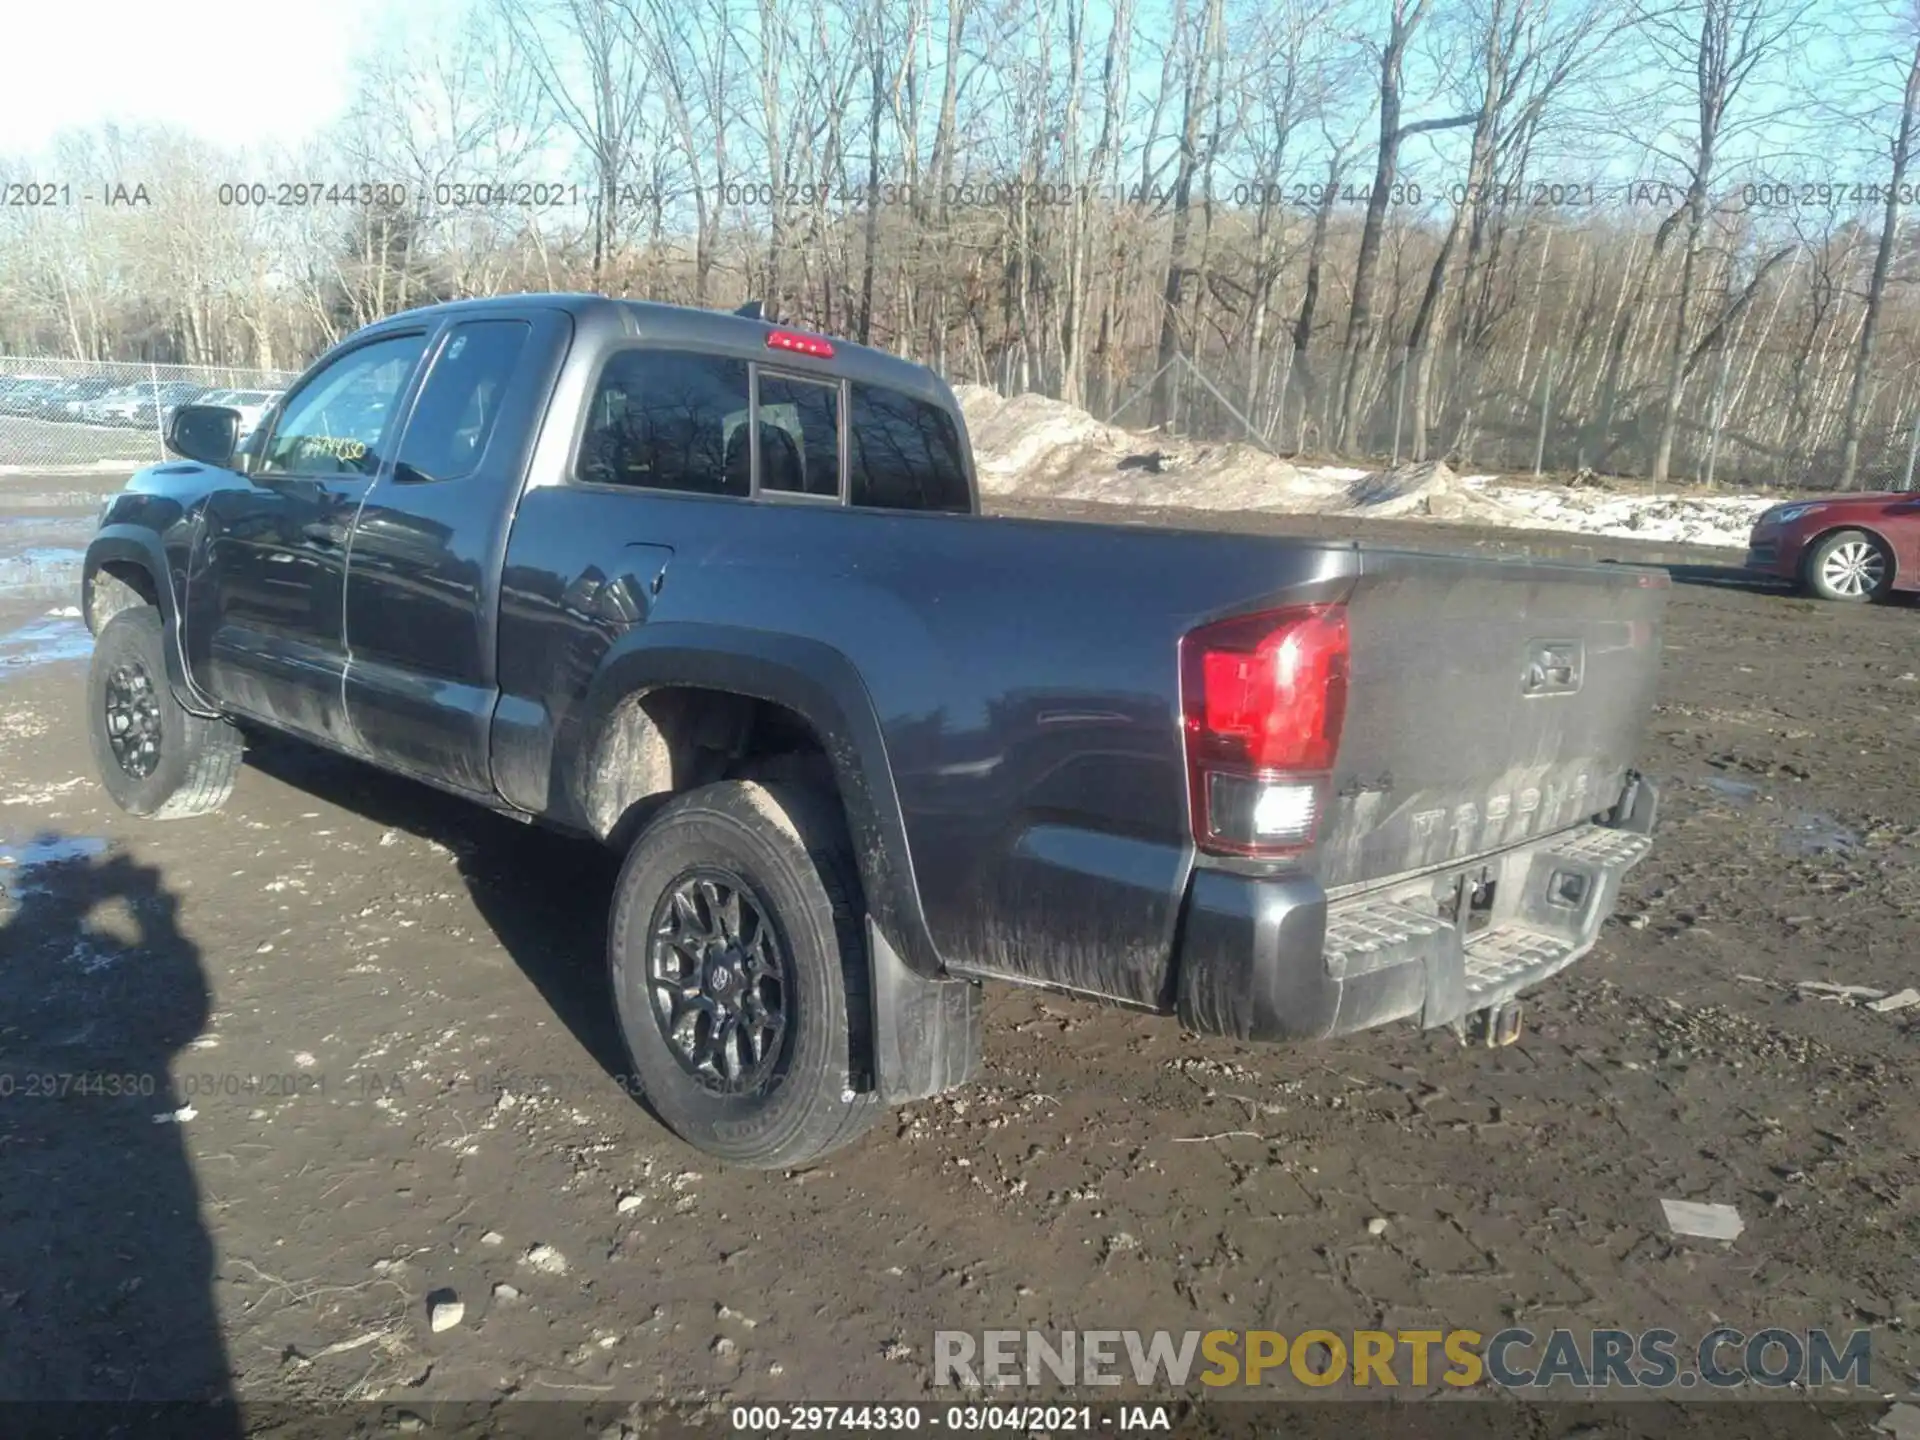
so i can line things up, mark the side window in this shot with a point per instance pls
(453, 419)
(336, 424)
(799, 435)
(669, 420)
(906, 453)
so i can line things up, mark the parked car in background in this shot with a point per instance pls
(159, 401)
(47, 398)
(1852, 547)
(251, 405)
(10, 388)
(116, 407)
(25, 392)
(77, 394)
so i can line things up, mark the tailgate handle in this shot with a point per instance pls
(1553, 668)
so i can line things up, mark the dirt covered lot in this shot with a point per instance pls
(356, 1051)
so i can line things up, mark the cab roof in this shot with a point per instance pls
(721, 330)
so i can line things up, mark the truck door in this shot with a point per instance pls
(423, 572)
(264, 633)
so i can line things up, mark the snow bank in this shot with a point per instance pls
(1687, 519)
(1041, 449)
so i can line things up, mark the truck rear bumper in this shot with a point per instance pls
(1272, 959)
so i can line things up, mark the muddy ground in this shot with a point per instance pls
(363, 1054)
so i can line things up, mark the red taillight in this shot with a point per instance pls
(1264, 698)
(800, 344)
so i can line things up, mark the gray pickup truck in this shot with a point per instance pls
(717, 593)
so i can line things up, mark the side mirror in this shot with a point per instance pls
(206, 433)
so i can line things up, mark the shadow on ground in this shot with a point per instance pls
(1726, 577)
(106, 1265)
(544, 894)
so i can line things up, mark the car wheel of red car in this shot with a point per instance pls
(1849, 565)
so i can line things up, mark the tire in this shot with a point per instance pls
(769, 1019)
(154, 758)
(1850, 566)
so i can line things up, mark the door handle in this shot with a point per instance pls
(324, 534)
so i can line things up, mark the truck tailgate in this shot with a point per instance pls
(1489, 702)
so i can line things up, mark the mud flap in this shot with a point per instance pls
(927, 1034)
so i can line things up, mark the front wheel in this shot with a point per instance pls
(1851, 566)
(740, 977)
(155, 759)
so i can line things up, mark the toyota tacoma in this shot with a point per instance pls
(717, 593)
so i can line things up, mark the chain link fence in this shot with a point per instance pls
(106, 413)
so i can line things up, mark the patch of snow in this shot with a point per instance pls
(1043, 449)
(1335, 474)
(1722, 520)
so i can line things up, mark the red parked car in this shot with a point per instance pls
(1841, 547)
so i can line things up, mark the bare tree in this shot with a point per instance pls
(1522, 52)
(1403, 21)
(1062, 195)
(691, 51)
(1198, 44)
(1899, 158)
(1715, 48)
(587, 60)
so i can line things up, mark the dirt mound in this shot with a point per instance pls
(1032, 445)
(1203, 477)
(1429, 488)
(1041, 448)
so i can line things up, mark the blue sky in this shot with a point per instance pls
(274, 71)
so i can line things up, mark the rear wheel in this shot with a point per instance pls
(1851, 566)
(740, 974)
(154, 758)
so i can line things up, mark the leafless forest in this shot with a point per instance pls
(1652, 237)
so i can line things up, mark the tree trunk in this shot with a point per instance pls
(1199, 80)
(1310, 291)
(1882, 266)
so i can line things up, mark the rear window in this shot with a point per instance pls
(799, 435)
(906, 453)
(668, 420)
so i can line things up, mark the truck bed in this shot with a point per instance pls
(1024, 676)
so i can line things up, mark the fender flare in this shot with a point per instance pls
(134, 545)
(815, 682)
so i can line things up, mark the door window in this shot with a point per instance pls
(336, 422)
(453, 419)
